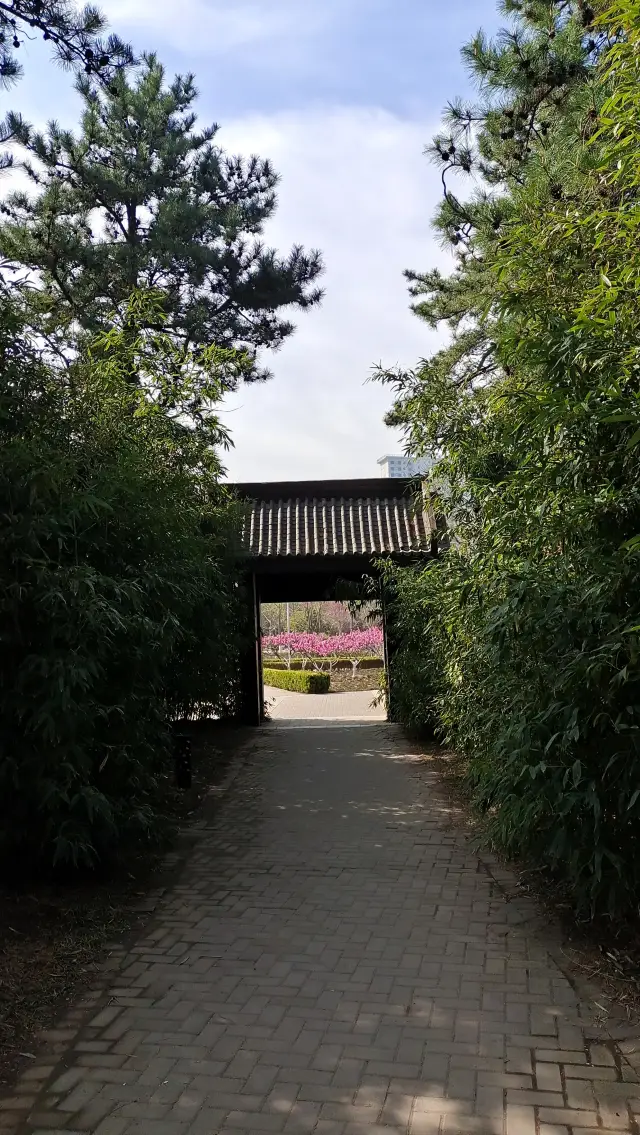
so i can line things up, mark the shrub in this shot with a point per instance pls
(417, 673)
(523, 643)
(118, 598)
(301, 681)
(532, 677)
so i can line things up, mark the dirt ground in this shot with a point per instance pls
(343, 681)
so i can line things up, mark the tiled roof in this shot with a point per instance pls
(363, 525)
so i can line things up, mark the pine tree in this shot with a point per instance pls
(76, 36)
(537, 103)
(142, 200)
(77, 39)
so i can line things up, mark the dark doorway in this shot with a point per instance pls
(306, 539)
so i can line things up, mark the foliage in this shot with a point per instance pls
(75, 34)
(411, 675)
(538, 101)
(140, 199)
(300, 681)
(324, 617)
(135, 292)
(522, 643)
(118, 587)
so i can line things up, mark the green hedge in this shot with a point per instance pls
(120, 605)
(302, 681)
(367, 663)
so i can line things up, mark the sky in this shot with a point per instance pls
(342, 95)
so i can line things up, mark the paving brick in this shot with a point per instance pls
(568, 1116)
(506, 1080)
(207, 1122)
(442, 1106)
(144, 1111)
(615, 1117)
(255, 1121)
(327, 1058)
(111, 1126)
(157, 1127)
(331, 960)
(600, 1054)
(548, 1078)
(362, 1127)
(519, 1061)
(69, 1079)
(424, 1124)
(463, 1125)
(489, 1101)
(520, 1120)
(561, 1057)
(585, 1072)
(302, 1119)
(579, 1094)
(534, 1097)
(396, 1110)
(371, 1095)
(321, 1095)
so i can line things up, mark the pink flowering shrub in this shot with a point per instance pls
(352, 645)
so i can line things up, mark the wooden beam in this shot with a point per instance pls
(251, 709)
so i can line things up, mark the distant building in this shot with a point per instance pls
(393, 465)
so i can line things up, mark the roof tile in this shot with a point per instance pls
(339, 526)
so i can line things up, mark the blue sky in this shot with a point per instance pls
(342, 95)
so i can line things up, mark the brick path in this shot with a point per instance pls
(351, 705)
(334, 959)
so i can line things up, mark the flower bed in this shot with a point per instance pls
(353, 645)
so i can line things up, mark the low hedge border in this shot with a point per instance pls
(322, 664)
(300, 681)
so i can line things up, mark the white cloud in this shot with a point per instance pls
(209, 27)
(356, 185)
